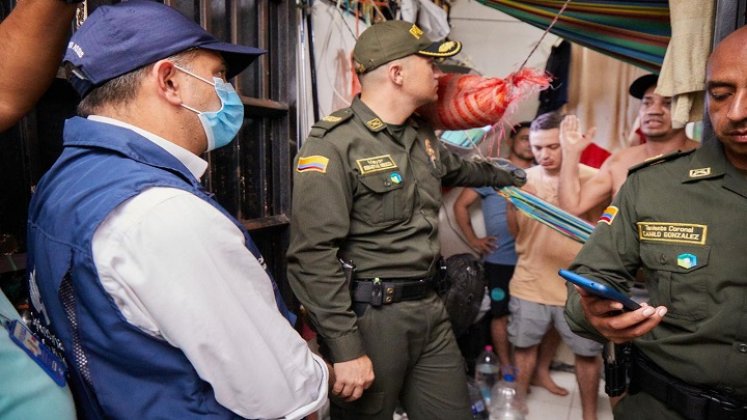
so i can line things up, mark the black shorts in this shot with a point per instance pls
(498, 276)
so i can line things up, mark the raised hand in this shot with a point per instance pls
(571, 138)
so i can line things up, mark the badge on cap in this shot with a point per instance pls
(446, 46)
(416, 32)
(687, 261)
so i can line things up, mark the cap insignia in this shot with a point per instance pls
(446, 46)
(416, 32)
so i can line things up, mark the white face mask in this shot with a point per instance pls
(220, 126)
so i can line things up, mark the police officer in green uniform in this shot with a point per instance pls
(367, 192)
(681, 220)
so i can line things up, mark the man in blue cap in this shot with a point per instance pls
(157, 297)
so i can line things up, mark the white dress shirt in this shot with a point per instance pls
(179, 270)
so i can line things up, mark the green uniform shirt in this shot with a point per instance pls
(363, 195)
(683, 222)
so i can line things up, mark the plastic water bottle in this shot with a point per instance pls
(479, 409)
(505, 405)
(487, 372)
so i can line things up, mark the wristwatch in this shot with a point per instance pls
(518, 175)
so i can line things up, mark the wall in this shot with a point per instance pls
(334, 35)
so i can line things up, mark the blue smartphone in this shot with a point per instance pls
(599, 289)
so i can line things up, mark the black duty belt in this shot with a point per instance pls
(692, 402)
(379, 292)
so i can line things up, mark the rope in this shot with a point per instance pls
(555, 19)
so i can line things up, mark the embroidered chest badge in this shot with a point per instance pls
(375, 164)
(687, 261)
(683, 233)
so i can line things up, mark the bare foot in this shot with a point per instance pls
(545, 381)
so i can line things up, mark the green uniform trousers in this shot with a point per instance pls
(642, 406)
(416, 362)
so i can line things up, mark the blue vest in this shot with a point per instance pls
(116, 369)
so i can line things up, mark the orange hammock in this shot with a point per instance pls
(469, 101)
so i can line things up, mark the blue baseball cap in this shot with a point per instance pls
(117, 39)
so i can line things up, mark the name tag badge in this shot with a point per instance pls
(683, 233)
(38, 351)
(376, 164)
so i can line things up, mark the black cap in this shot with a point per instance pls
(640, 85)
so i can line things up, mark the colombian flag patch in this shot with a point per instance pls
(315, 163)
(608, 215)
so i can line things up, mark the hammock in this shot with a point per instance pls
(549, 215)
(636, 32)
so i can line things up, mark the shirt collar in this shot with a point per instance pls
(195, 164)
(369, 118)
(372, 121)
(710, 161)
(707, 162)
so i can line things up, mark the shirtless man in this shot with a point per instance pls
(661, 138)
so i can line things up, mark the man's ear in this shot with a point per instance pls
(394, 70)
(167, 83)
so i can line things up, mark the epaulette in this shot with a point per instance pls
(659, 159)
(328, 123)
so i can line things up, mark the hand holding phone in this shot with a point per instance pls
(599, 289)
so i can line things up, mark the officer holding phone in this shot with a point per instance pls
(679, 219)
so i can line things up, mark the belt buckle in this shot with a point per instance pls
(719, 409)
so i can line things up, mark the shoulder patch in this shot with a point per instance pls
(314, 163)
(331, 121)
(659, 159)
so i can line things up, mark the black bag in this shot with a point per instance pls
(462, 290)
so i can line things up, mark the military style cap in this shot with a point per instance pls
(393, 39)
(640, 85)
